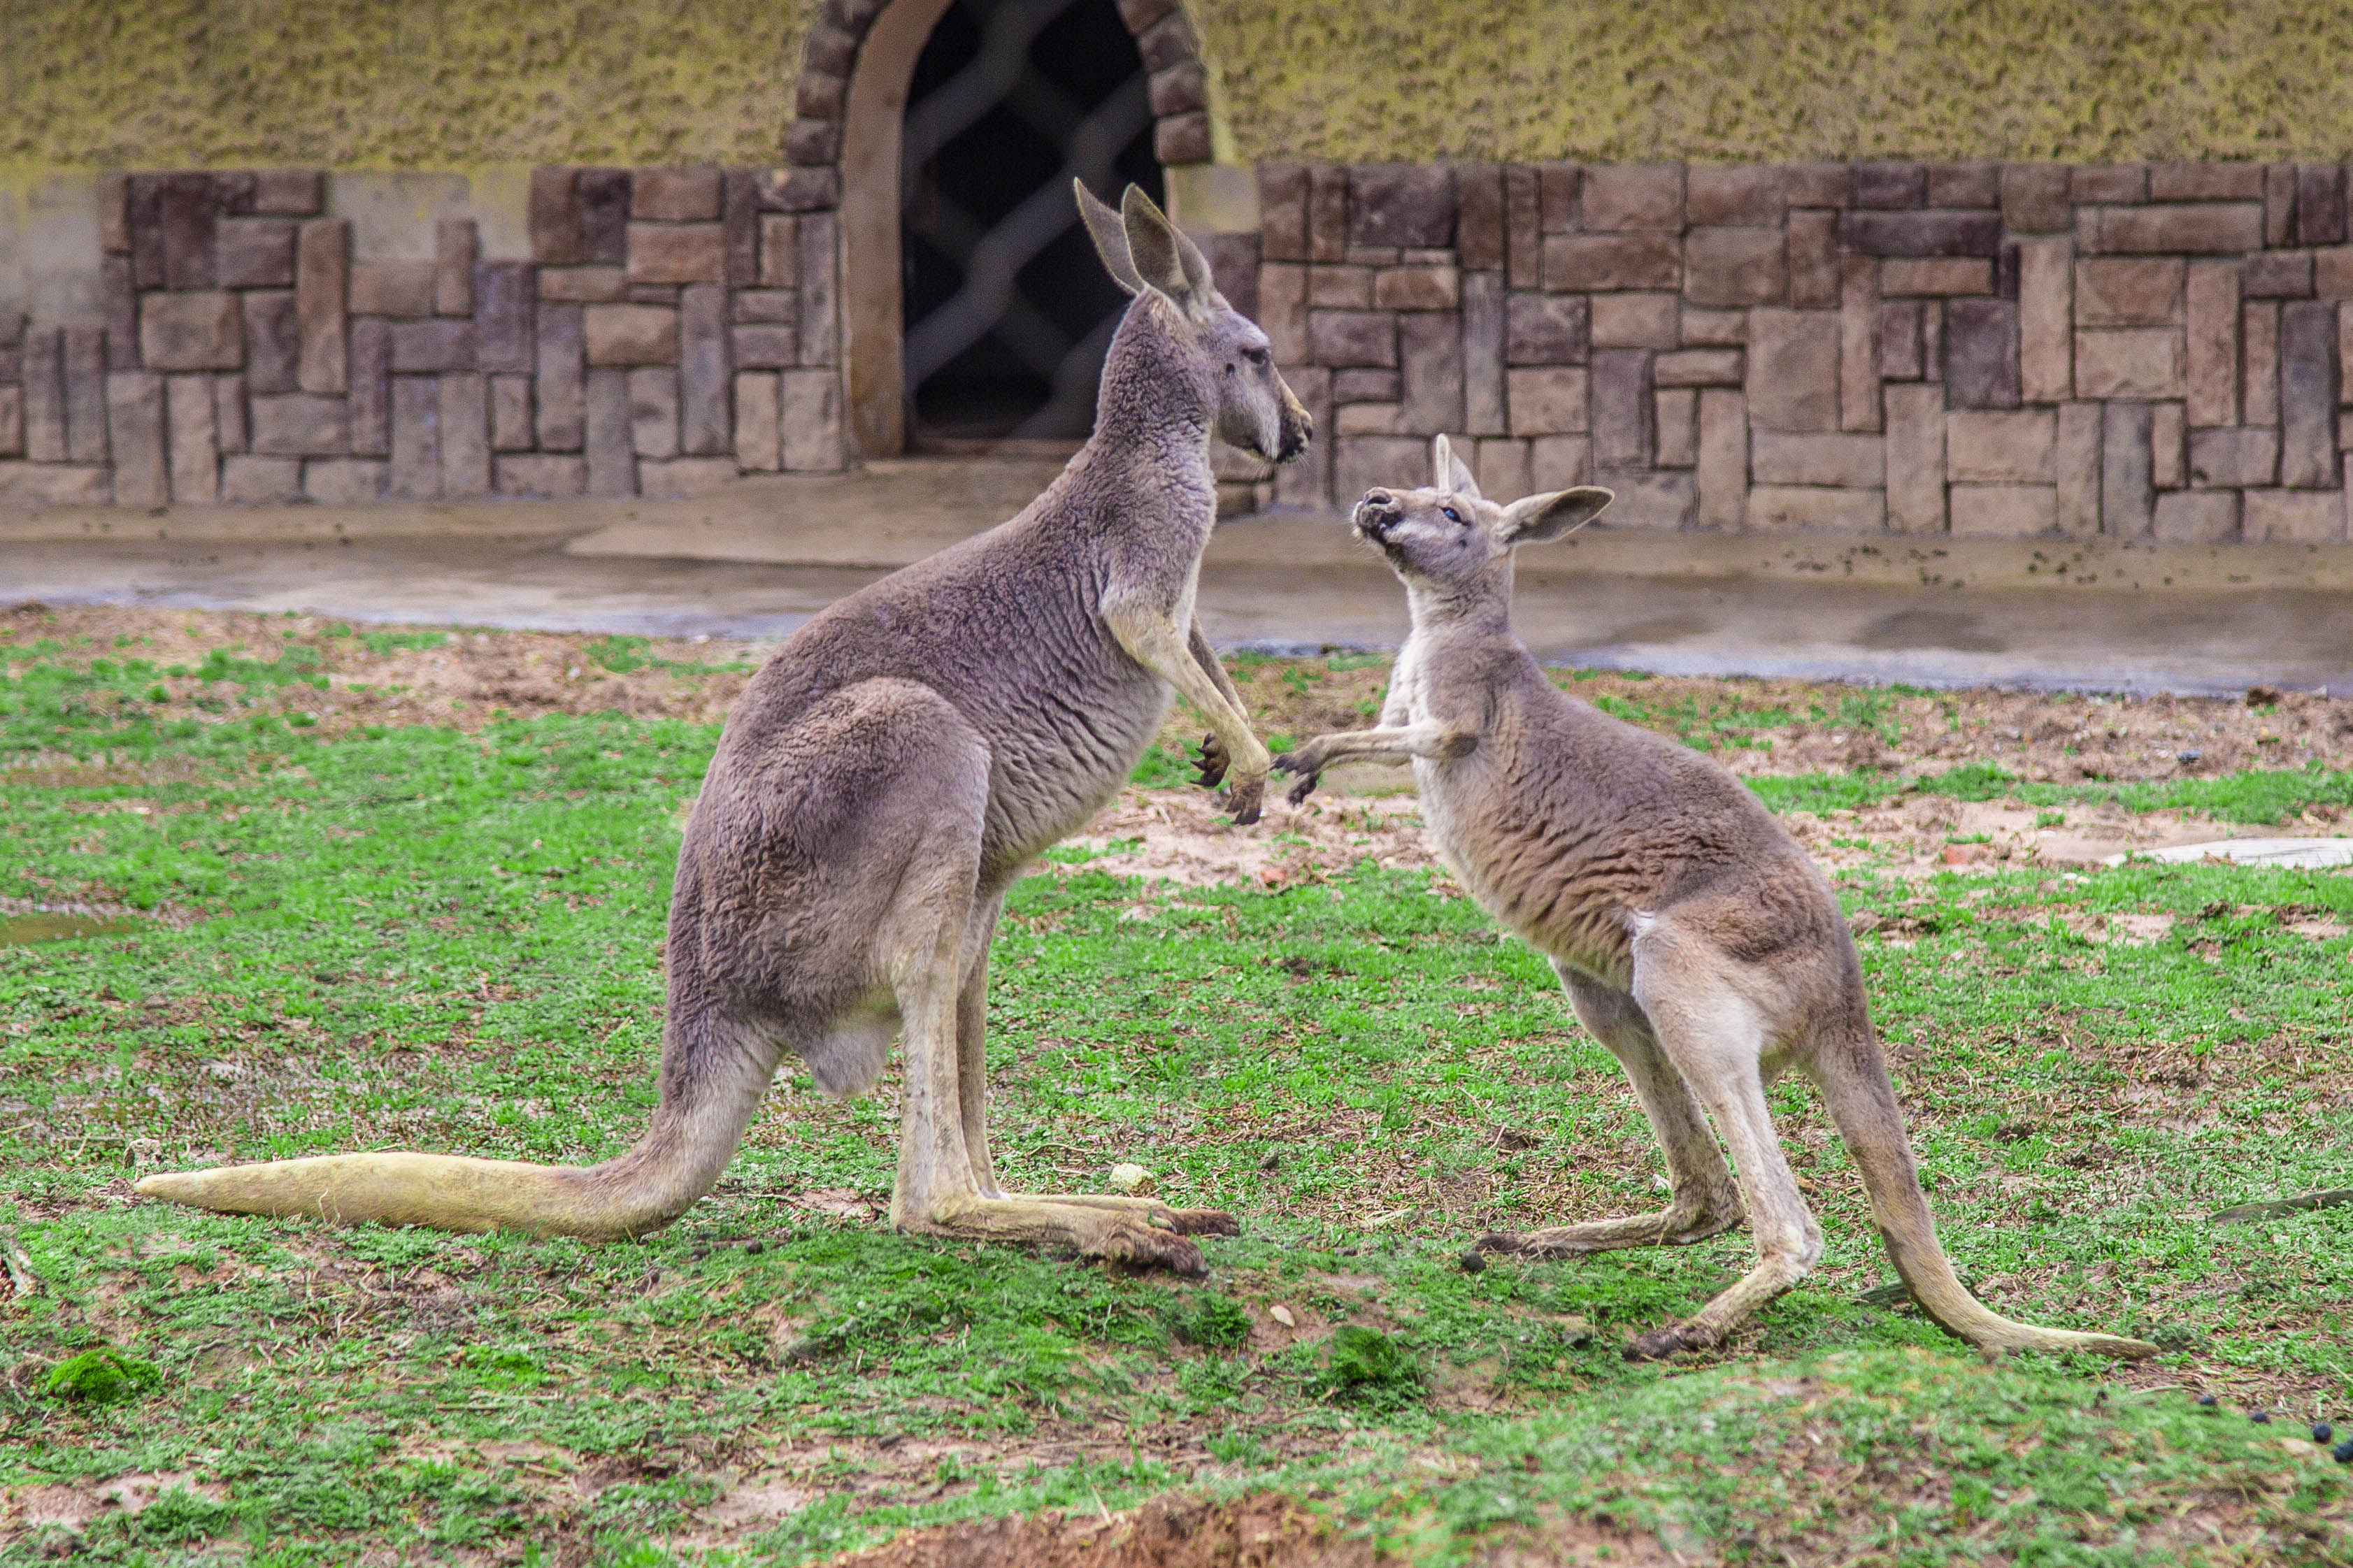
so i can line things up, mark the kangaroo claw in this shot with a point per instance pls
(1204, 1222)
(1242, 802)
(1300, 791)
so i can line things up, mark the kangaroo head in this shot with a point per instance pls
(1451, 539)
(1219, 351)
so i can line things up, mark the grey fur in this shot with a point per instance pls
(883, 780)
(1696, 940)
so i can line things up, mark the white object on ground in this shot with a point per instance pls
(1133, 1180)
(2287, 854)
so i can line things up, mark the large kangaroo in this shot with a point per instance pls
(1696, 940)
(879, 784)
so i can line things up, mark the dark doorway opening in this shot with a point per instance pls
(1008, 312)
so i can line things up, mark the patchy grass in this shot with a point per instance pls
(361, 935)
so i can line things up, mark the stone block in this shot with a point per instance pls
(2211, 369)
(1932, 340)
(1366, 419)
(1976, 184)
(247, 480)
(1558, 462)
(688, 195)
(781, 307)
(1859, 345)
(2076, 462)
(1714, 328)
(56, 484)
(684, 479)
(1889, 185)
(1523, 227)
(299, 425)
(611, 453)
(799, 190)
(1406, 205)
(2117, 183)
(1935, 276)
(1622, 409)
(2167, 430)
(705, 372)
(1501, 467)
(464, 427)
(1783, 509)
(820, 329)
(84, 352)
(2014, 446)
(144, 213)
(1282, 310)
(1855, 461)
(2332, 272)
(229, 428)
(188, 211)
(273, 341)
(1417, 289)
(191, 331)
(1343, 338)
(1327, 212)
(119, 299)
(503, 317)
(11, 421)
(1899, 339)
(740, 208)
(432, 346)
(399, 290)
(1981, 354)
(542, 474)
(1931, 233)
(2181, 228)
(1340, 288)
(345, 481)
(2319, 204)
(369, 409)
(1793, 370)
(604, 198)
(653, 412)
(1362, 462)
(2127, 487)
(624, 336)
(765, 347)
(1431, 360)
(1722, 459)
(2293, 516)
(1632, 196)
(2133, 362)
(255, 253)
(2035, 197)
(2196, 517)
(561, 367)
(1546, 329)
(1736, 195)
(678, 253)
(1549, 401)
(191, 414)
(114, 214)
(1700, 367)
(1282, 211)
(1814, 282)
(1181, 139)
(2308, 395)
(2046, 305)
(1595, 263)
(1728, 268)
(511, 414)
(584, 285)
(2129, 292)
(2004, 512)
(133, 402)
(45, 395)
(1306, 480)
(1483, 337)
(555, 219)
(1557, 187)
(810, 416)
(2199, 182)
(2259, 363)
(1635, 321)
(321, 287)
(2277, 275)
(456, 248)
(1480, 236)
(1916, 458)
(759, 435)
(2279, 204)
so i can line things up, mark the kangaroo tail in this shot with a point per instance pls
(1854, 1078)
(709, 1091)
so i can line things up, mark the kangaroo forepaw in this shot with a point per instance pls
(1662, 1344)
(1204, 1222)
(1213, 761)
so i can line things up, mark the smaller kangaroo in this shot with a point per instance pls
(1696, 941)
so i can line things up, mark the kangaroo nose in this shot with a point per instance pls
(1380, 497)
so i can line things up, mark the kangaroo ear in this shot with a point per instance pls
(1105, 228)
(1450, 473)
(1539, 518)
(1164, 259)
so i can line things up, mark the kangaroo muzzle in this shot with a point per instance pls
(1377, 514)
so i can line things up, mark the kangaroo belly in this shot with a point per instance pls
(1049, 778)
(1528, 875)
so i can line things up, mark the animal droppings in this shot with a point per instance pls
(2260, 1417)
(2344, 1452)
(2207, 1402)
(1268, 1160)
(755, 1247)
(1473, 1263)
(2322, 1431)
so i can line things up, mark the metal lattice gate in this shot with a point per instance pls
(1008, 315)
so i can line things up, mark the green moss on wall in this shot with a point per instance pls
(398, 84)
(441, 84)
(2088, 80)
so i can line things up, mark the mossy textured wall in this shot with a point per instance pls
(394, 84)
(1736, 81)
(455, 84)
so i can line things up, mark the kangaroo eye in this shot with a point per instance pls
(1449, 514)
(1256, 356)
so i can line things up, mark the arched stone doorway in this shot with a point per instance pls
(848, 143)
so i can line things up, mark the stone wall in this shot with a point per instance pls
(672, 329)
(2130, 352)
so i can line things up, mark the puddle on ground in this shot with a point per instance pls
(23, 931)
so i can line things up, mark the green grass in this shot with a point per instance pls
(419, 938)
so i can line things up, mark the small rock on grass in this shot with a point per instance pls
(1474, 1262)
(1133, 1180)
